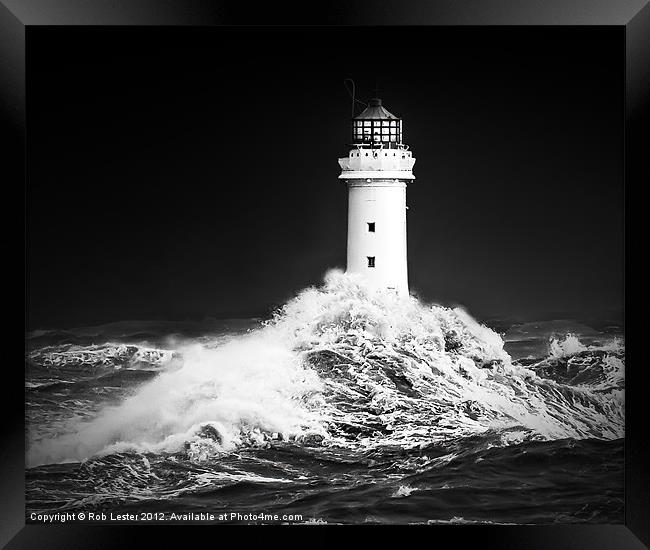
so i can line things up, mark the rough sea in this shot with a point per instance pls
(345, 407)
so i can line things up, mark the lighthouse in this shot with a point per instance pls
(376, 170)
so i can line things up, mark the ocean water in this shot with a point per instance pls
(346, 407)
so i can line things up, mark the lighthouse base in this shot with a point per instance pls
(399, 290)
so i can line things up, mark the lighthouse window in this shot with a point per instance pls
(371, 227)
(371, 261)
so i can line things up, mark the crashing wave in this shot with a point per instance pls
(105, 355)
(570, 345)
(341, 366)
(597, 367)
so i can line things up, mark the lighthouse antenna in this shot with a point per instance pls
(352, 93)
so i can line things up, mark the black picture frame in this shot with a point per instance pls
(19, 17)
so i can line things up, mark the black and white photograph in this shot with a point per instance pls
(325, 275)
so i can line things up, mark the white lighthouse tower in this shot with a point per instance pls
(376, 170)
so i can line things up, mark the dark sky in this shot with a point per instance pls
(183, 173)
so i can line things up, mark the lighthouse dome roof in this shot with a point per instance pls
(375, 110)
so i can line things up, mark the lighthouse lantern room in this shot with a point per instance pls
(377, 169)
